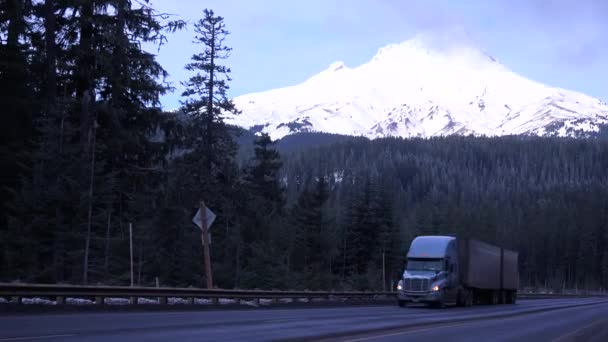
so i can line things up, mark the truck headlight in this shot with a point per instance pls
(435, 288)
(400, 285)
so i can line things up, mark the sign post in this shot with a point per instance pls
(131, 249)
(203, 219)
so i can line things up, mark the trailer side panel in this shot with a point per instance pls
(510, 270)
(482, 265)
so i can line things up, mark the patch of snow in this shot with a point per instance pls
(249, 302)
(3, 300)
(303, 300)
(116, 301)
(203, 301)
(38, 301)
(286, 300)
(79, 301)
(175, 300)
(225, 301)
(265, 301)
(339, 176)
(147, 301)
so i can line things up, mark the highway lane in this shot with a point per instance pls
(263, 324)
(589, 324)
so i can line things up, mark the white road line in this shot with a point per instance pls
(407, 332)
(34, 337)
(573, 333)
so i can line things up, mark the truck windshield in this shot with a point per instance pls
(425, 264)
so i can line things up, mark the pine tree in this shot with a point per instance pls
(99, 104)
(16, 99)
(208, 169)
(312, 250)
(263, 233)
(362, 232)
(389, 251)
(206, 98)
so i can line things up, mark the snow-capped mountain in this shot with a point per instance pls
(419, 88)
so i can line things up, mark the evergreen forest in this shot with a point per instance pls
(87, 151)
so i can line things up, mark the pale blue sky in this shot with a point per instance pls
(277, 43)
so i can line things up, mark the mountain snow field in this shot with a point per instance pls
(419, 89)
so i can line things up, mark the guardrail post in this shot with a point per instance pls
(256, 301)
(132, 300)
(162, 300)
(99, 300)
(190, 300)
(60, 300)
(16, 299)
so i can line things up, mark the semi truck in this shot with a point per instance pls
(445, 270)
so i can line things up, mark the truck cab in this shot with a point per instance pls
(444, 270)
(431, 272)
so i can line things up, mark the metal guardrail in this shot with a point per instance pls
(15, 292)
(59, 292)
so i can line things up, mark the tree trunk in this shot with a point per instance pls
(84, 77)
(51, 55)
(106, 262)
(89, 210)
(345, 233)
(210, 86)
(16, 23)
(118, 55)
(84, 92)
(237, 273)
(140, 263)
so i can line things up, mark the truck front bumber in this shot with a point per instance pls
(420, 297)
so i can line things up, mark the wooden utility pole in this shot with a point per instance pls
(205, 240)
(131, 249)
(383, 273)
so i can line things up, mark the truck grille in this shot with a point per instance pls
(416, 284)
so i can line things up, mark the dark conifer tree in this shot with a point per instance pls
(16, 100)
(206, 99)
(312, 249)
(263, 233)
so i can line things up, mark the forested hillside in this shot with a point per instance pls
(546, 198)
(87, 152)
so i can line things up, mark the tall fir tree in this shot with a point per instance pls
(312, 250)
(206, 98)
(263, 234)
(16, 100)
(207, 170)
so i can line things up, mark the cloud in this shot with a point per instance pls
(573, 32)
(278, 42)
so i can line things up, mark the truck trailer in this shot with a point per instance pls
(444, 270)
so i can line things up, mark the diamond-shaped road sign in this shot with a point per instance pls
(209, 215)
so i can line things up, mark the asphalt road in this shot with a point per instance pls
(531, 320)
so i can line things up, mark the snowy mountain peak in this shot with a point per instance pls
(329, 72)
(335, 66)
(433, 84)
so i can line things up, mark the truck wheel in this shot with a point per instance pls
(402, 303)
(438, 305)
(461, 300)
(468, 299)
